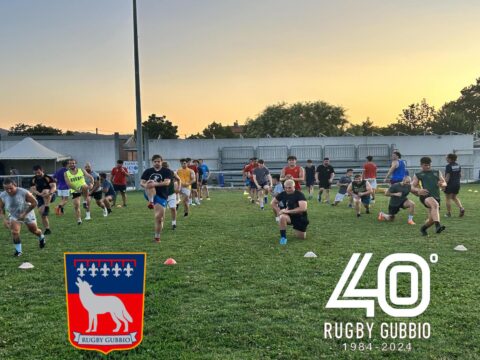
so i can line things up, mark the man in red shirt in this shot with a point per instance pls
(294, 172)
(194, 200)
(248, 173)
(118, 178)
(370, 174)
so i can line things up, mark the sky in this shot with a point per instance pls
(69, 64)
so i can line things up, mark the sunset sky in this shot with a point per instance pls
(69, 64)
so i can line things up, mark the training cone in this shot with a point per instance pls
(170, 261)
(460, 248)
(470, 190)
(310, 254)
(476, 191)
(26, 265)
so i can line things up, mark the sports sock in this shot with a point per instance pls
(437, 224)
(283, 233)
(174, 222)
(157, 235)
(18, 247)
(410, 217)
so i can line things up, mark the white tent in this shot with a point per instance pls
(29, 149)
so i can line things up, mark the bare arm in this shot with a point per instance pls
(415, 189)
(349, 190)
(282, 175)
(67, 180)
(392, 169)
(302, 207)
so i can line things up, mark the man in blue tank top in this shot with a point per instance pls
(398, 169)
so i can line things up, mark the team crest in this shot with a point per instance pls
(105, 299)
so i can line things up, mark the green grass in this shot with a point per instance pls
(235, 292)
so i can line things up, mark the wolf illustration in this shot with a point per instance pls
(96, 304)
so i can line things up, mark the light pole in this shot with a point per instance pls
(137, 100)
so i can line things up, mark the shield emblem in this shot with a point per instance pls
(105, 300)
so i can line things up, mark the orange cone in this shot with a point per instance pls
(170, 261)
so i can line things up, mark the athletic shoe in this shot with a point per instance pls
(245, 193)
(447, 215)
(87, 217)
(368, 211)
(109, 211)
(185, 214)
(105, 212)
(380, 217)
(157, 239)
(262, 208)
(197, 202)
(208, 198)
(124, 205)
(41, 243)
(440, 229)
(46, 211)
(423, 231)
(252, 201)
(176, 206)
(372, 201)
(277, 219)
(411, 222)
(17, 253)
(283, 241)
(151, 205)
(174, 227)
(350, 206)
(47, 232)
(79, 222)
(358, 215)
(462, 212)
(193, 204)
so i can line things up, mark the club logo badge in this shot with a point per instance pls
(105, 300)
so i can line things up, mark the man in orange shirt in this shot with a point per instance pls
(370, 174)
(118, 178)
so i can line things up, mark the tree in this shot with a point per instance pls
(159, 127)
(29, 130)
(415, 119)
(366, 128)
(300, 119)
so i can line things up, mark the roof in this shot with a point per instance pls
(29, 149)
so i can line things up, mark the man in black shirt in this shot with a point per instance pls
(360, 190)
(43, 187)
(453, 174)
(398, 194)
(291, 207)
(310, 178)
(324, 176)
(155, 181)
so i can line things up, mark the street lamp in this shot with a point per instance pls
(137, 100)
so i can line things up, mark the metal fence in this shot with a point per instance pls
(340, 152)
(236, 154)
(272, 153)
(307, 152)
(377, 151)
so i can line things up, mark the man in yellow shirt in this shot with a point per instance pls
(187, 177)
(75, 179)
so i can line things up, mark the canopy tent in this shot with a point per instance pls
(29, 152)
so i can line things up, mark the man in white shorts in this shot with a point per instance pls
(370, 174)
(187, 178)
(342, 184)
(19, 203)
(172, 195)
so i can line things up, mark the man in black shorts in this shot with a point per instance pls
(43, 187)
(263, 181)
(324, 176)
(453, 174)
(398, 194)
(291, 206)
(310, 178)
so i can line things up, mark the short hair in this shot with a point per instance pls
(326, 158)
(200, 160)
(254, 158)
(425, 160)
(156, 157)
(65, 163)
(183, 160)
(369, 158)
(291, 157)
(119, 161)
(103, 175)
(309, 161)
(37, 167)
(398, 154)
(276, 177)
(196, 161)
(9, 181)
(348, 170)
(165, 164)
(357, 176)
(261, 161)
(452, 157)
(289, 182)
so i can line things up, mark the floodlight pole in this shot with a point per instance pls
(137, 100)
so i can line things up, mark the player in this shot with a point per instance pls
(204, 174)
(293, 172)
(19, 203)
(155, 181)
(360, 190)
(75, 179)
(63, 192)
(453, 174)
(324, 176)
(173, 190)
(195, 200)
(108, 193)
(43, 187)
(310, 178)
(277, 188)
(118, 177)
(370, 174)
(398, 168)
(187, 177)
(398, 194)
(342, 184)
(427, 184)
(248, 174)
(263, 181)
(95, 191)
(291, 206)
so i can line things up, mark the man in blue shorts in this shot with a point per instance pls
(155, 181)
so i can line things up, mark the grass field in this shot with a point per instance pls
(235, 292)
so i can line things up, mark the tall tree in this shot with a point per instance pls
(29, 130)
(160, 127)
(415, 119)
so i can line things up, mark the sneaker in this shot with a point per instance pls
(367, 211)
(411, 222)
(185, 214)
(151, 205)
(423, 231)
(358, 215)
(174, 227)
(157, 239)
(41, 242)
(252, 201)
(262, 208)
(87, 217)
(47, 232)
(372, 201)
(208, 198)
(245, 193)
(105, 212)
(193, 204)
(109, 211)
(462, 212)
(17, 253)
(79, 222)
(380, 217)
(447, 215)
(283, 241)
(124, 205)
(440, 229)
(350, 206)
